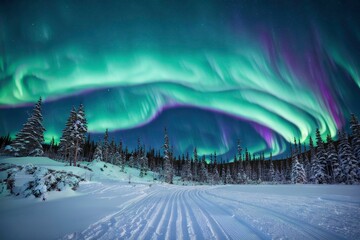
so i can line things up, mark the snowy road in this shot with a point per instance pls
(232, 212)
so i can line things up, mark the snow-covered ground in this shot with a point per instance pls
(108, 207)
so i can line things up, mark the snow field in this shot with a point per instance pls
(108, 207)
(234, 212)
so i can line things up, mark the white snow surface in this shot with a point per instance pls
(108, 207)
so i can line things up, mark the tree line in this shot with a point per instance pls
(329, 162)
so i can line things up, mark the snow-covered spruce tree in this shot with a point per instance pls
(319, 163)
(186, 169)
(112, 151)
(168, 171)
(223, 174)
(78, 133)
(355, 129)
(65, 140)
(203, 174)
(228, 177)
(28, 141)
(333, 162)
(309, 168)
(271, 170)
(195, 166)
(259, 167)
(131, 160)
(216, 177)
(106, 146)
(143, 162)
(278, 177)
(298, 173)
(117, 158)
(348, 163)
(248, 172)
(98, 156)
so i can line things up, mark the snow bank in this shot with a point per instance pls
(37, 181)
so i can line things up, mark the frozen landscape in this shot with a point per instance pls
(108, 207)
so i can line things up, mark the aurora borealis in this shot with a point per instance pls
(210, 71)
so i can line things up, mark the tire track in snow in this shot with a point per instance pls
(123, 227)
(144, 220)
(182, 221)
(213, 229)
(138, 214)
(107, 226)
(164, 224)
(234, 226)
(150, 227)
(191, 222)
(301, 227)
(173, 231)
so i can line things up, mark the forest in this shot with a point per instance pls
(323, 162)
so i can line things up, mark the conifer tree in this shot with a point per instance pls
(259, 177)
(131, 161)
(203, 175)
(186, 172)
(319, 163)
(28, 141)
(66, 140)
(117, 158)
(355, 129)
(333, 162)
(77, 133)
(278, 177)
(143, 161)
(106, 147)
(298, 173)
(228, 178)
(195, 166)
(223, 174)
(98, 156)
(309, 169)
(271, 170)
(239, 149)
(347, 160)
(216, 177)
(248, 172)
(52, 147)
(168, 170)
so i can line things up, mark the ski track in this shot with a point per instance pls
(172, 212)
(297, 225)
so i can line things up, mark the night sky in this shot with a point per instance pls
(209, 71)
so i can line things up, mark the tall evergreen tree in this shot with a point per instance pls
(168, 171)
(319, 163)
(228, 177)
(239, 149)
(216, 177)
(309, 168)
(203, 174)
(78, 133)
(355, 129)
(98, 156)
(298, 173)
(65, 140)
(106, 146)
(271, 170)
(187, 175)
(348, 162)
(333, 162)
(28, 141)
(195, 166)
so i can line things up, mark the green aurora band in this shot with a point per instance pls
(258, 77)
